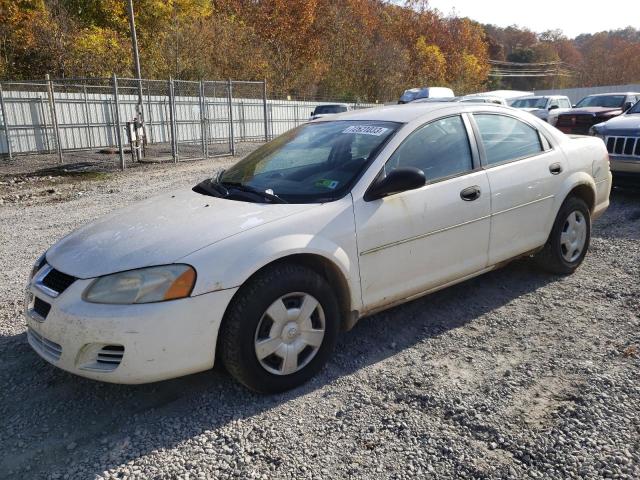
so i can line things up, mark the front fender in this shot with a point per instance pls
(329, 233)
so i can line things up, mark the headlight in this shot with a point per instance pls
(593, 131)
(37, 266)
(146, 285)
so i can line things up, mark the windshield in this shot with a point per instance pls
(634, 109)
(330, 109)
(313, 163)
(529, 103)
(409, 95)
(610, 101)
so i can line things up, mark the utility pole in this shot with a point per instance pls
(136, 60)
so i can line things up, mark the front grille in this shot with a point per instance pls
(628, 146)
(41, 307)
(43, 346)
(58, 281)
(579, 124)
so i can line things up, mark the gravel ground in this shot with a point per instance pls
(514, 374)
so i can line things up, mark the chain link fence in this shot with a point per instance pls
(110, 123)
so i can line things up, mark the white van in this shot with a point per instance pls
(425, 92)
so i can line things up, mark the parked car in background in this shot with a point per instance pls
(425, 92)
(437, 100)
(542, 105)
(595, 109)
(329, 109)
(465, 99)
(483, 99)
(621, 135)
(263, 265)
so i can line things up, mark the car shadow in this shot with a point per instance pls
(53, 420)
(622, 219)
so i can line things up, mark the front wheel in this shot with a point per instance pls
(280, 329)
(569, 239)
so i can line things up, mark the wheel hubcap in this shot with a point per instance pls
(289, 333)
(574, 236)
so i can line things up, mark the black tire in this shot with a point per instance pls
(551, 257)
(239, 326)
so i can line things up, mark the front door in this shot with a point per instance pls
(417, 240)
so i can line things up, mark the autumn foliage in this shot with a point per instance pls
(352, 49)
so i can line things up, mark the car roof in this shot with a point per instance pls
(612, 93)
(410, 111)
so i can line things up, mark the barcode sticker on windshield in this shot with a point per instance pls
(366, 130)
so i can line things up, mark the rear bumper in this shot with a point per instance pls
(603, 190)
(152, 342)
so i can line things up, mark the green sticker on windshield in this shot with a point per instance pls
(332, 184)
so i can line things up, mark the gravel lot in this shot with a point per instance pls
(514, 374)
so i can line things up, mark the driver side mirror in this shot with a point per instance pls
(553, 107)
(398, 180)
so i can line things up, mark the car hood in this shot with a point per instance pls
(594, 111)
(623, 125)
(159, 231)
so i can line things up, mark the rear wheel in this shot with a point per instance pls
(569, 239)
(280, 329)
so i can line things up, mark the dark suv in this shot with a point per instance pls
(595, 109)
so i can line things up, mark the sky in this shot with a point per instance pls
(573, 17)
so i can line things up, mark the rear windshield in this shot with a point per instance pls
(610, 101)
(330, 109)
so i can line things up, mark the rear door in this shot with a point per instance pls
(524, 173)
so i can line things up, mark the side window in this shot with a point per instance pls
(440, 149)
(506, 138)
(564, 103)
(554, 102)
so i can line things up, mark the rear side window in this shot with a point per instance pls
(440, 149)
(506, 138)
(564, 103)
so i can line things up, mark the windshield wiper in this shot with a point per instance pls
(248, 188)
(209, 187)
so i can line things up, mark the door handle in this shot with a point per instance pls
(470, 194)
(555, 168)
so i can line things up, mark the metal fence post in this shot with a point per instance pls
(5, 123)
(54, 117)
(202, 120)
(232, 140)
(243, 126)
(45, 127)
(150, 114)
(117, 120)
(264, 110)
(87, 118)
(172, 121)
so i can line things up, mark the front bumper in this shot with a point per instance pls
(625, 171)
(126, 343)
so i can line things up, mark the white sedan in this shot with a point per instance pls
(262, 266)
